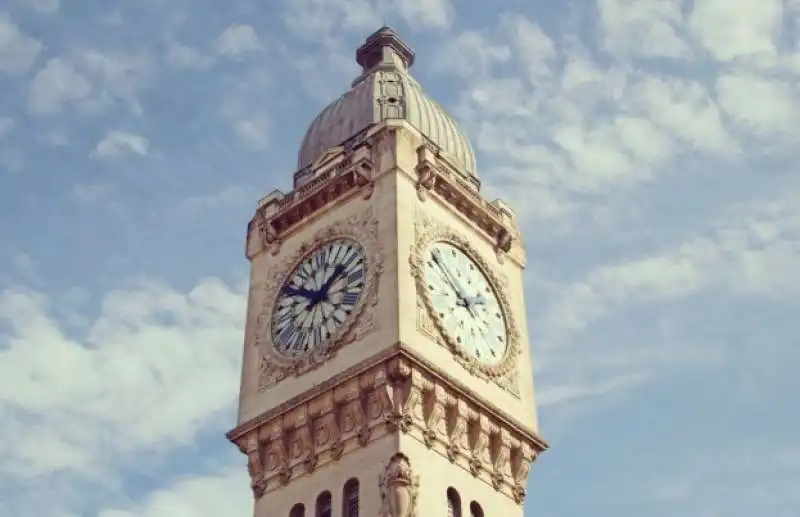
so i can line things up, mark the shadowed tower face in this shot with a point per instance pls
(386, 362)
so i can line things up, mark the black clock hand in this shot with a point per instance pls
(298, 291)
(447, 276)
(322, 293)
(337, 272)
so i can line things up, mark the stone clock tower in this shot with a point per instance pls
(386, 365)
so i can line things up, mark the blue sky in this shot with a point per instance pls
(650, 148)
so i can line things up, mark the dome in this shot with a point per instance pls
(385, 90)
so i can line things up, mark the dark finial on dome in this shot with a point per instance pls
(384, 48)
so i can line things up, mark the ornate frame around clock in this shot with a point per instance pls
(503, 373)
(274, 367)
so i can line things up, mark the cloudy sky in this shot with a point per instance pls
(650, 148)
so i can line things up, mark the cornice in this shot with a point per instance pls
(343, 172)
(395, 391)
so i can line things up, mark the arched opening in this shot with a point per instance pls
(350, 498)
(324, 505)
(298, 510)
(475, 509)
(453, 503)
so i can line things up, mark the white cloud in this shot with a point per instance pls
(44, 6)
(643, 27)
(119, 143)
(204, 496)
(237, 40)
(767, 108)
(253, 133)
(748, 30)
(185, 56)
(57, 84)
(433, 13)
(17, 51)
(753, 250)
(150, 371)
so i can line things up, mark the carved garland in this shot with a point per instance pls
(429, 231)
(275, 367)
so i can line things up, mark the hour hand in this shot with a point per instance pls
(298, 291)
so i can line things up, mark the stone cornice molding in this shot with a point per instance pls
(392, 392)
(354, 167)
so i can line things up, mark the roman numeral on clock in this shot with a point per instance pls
(350, 299)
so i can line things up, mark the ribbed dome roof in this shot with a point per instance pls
(385, 90)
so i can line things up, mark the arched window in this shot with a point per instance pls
(453, 503)
(324, 505)
(350, 498)
(298, 510)
(475, 510)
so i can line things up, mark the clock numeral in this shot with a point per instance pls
(349, 258)
(283, 318)
(287, 334)
(299, 340)
(350, 298)
(316, 337)
(355, 276)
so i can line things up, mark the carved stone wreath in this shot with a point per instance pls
(429, 231)
(274, 366)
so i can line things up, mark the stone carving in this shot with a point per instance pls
(502, 457)
(480, 458)
(394, 395)
(255, 466)
(275, 367)
(503, 373)
(426, 171)
(398, 488)
(435, 418)
(458, 428)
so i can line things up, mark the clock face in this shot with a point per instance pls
(318, 297)
(465, 303)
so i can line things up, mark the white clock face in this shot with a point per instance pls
(465, 303)
(318, 297)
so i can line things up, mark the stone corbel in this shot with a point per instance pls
(426, 171)
(353, 413)
(269, 235)
(277, 457)
(502, 244)
(481, 430)
(381, 397)
(255, 465)
(523, 457)
(413, 403)
(502, 457)
(435, 417)
(458, 424)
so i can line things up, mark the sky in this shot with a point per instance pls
(649, 147)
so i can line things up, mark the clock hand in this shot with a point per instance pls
(298, 291)
(337, 272)
(322, 293)
(437, 259)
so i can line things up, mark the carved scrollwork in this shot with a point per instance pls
(503, 373)
(398, 487)
(275, 367)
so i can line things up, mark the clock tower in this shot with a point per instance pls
(386, 367)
